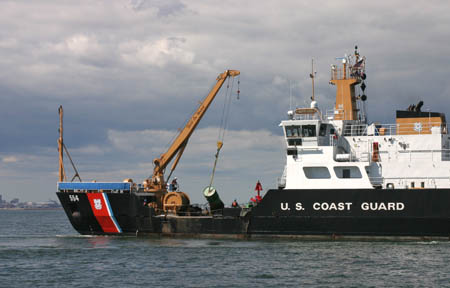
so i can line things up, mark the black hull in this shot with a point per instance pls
(352, 213)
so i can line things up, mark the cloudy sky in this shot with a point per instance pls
(130, 72)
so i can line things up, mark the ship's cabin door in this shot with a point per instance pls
(325, 133)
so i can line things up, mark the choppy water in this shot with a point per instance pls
(41, 249)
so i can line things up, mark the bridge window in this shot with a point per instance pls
(301, 131)
(317, 172)
(347, 172)
(293, 131)
(295, 142)
(309, 130)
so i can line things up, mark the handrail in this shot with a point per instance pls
(394, 129)
(346, 72)
(403, 178)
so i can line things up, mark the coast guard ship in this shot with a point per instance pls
(344, 178)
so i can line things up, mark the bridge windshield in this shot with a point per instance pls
(301, 131)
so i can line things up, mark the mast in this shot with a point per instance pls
(61, 146)
(312, 75)
(345, 79)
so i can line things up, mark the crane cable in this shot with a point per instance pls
(177, 132)
(224, 123)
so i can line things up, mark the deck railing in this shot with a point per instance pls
(405, 182)
(339, 73)
(408, 155)
(395, 129)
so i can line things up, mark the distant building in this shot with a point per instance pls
(16, 204)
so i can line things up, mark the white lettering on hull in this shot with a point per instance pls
(346, 206)
(285, 206)
(381, 206)
(339, 206)
(299, 207)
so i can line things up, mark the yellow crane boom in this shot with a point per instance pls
(157, 183)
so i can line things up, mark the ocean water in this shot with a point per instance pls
(41, 249)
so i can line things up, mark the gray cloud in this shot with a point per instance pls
(164, 8)
(134, 67)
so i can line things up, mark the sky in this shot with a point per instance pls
(129, 73)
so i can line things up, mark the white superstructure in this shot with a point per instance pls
(341, 150)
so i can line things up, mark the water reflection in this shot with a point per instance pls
(97, 242)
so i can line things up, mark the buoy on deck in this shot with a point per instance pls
(213, 198)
